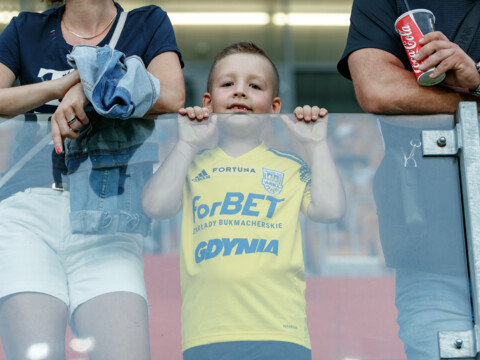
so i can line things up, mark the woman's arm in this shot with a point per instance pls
(20, 99)
(166, 68)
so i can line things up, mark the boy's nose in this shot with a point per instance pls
(239, 93)
(239, 90)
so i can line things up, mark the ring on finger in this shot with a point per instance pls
(72, 120)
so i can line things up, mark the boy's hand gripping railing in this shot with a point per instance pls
(463, 141)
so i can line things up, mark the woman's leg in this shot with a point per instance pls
(32, 326)
(117, 324)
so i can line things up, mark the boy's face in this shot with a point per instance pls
(242, 83)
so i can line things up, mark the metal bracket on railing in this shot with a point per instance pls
(464, 142)
(441, 142)
(457, 344)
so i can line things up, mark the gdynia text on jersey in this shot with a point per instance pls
(215, 247)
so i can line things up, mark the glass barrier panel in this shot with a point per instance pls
(338, 236)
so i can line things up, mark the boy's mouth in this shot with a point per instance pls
(239, 108)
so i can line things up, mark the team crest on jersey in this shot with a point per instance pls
(272, 181)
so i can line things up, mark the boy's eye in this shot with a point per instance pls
(228, 83)
(255, 86)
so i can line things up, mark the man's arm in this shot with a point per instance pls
(383, 86)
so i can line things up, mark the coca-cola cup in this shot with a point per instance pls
(412, 26)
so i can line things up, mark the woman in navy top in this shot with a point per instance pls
(49, 276)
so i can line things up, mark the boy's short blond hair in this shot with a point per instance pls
(244, 48)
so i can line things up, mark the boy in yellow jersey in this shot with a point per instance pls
(242, 269)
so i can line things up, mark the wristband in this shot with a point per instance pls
(476, 92)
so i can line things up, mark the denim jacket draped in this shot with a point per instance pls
(112, 158)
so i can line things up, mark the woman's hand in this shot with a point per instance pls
(69, 116)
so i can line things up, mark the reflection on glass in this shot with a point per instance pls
(82, 345)
(105, 180)
(241, 244)
(72, 235)
(420, 217)
(350, 294)
(38, 351)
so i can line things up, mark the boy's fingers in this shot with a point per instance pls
(318, 112)
(315, 113)
(199, 113)
(195, 113)
(189, 112)
(206, 112)
(298, 112)
(307, 113)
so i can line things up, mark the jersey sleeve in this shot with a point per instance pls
(372, 25)
(306, 200)
(305, 177)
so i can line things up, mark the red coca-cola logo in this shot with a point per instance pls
(411, 46)
(410, 34)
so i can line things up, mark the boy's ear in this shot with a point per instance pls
(207, 101)
(276, 105)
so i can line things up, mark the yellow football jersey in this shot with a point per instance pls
(242, 268)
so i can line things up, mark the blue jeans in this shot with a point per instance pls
(428, 303)
(107, 200)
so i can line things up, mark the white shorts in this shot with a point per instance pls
(38, 253)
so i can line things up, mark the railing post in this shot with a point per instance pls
(464, 142)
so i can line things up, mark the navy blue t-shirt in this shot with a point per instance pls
(372, 25)
(32, 46)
